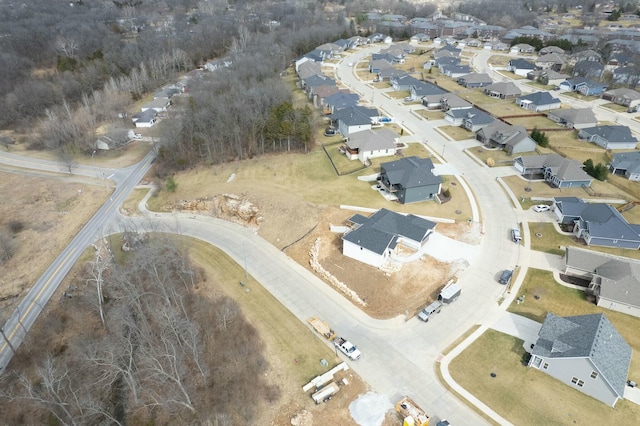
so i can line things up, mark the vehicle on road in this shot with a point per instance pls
(433, 308)
(450, 294)
(411, 413)
(347, 348)
(505, 277)
(350, 64)
(443, 422)
(515, 235)
(541, 208)
(385, 120)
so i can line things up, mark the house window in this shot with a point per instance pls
(594, 375)
(545, 365)
(580, 383)
(574, 380)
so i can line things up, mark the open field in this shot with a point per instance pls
(565, 301)
(524, 395)
(50, 211)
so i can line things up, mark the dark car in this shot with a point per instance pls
(329, 131)
(505, 277)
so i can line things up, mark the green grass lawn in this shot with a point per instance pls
(526, 396)
(456, 133)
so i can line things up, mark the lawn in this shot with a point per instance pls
(499, 61)
(504, 108)
(534, 121)
(526, 396)
(430, 114)
(551, 241)
(478, 98)
(399, 94)
(456, 133)
(511, 75)
(580, 96)
(499, 156)
(448, 84)
(615, 107)
(540, 86)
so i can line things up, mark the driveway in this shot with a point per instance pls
(518, 326)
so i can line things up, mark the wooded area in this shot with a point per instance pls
(165, 353)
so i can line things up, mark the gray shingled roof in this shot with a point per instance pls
(382, 229)
(604, 221)
(623, 92)
(474, 116)
(355, 115)
(426, 89)
(611, 133)
(569, 206)
(522, 64)
(575, 115)
(587, 336)
(539, 98)
(629, 161)
(475, 77)
(567, 170)
(505, 88)
(411, 172)
(373, 140)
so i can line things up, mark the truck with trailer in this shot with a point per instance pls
(347, 348)
(411, 413)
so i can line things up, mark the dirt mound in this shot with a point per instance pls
(232, 207)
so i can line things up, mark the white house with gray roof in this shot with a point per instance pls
(354, 119)
(369, 144)
(609, 137)
(513, 139)
(538, 101)
(411, 179)
(374, 239)
(614, 280)
(576, 118)
(585, 352)
(502, 90)
(626, 164)
(623, 96)
(557, 171)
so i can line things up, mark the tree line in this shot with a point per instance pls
(136, 342)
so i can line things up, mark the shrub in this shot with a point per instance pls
(171, 184)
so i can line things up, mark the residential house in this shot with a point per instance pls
(420, 37)
(476, 120)
(585, 55)
(557, 171)
(323, 92)
(445, 61)
(404, 82)
(618, 60)
(626, 164)
(158, 105)
(609, 137)
(497, 46)
(526, 31)
(551, 61)
(386, 74)
(375, 239)
(548, 77)
(457, 116)
(583, 86)
(473, 42)
(316, 81)
(520, 66)
(614, 280)
(502, 90)
(307, 69)
(626, 75)
(145, 118)
(369, 144)
(474, 80)
(411, 179)
(623, 96)
(376, 65)
(167, 92)
(115, 138)
(451, 49)
(456, 71)
(538, 101)
(354, 119)
(585, 352)
(597, 224)
(575, 118)
(550, 50)
(340, 100)
(450, 101)
(418, 91)
(588, 69)
(217, 64)
(512, 139)
(522, 48)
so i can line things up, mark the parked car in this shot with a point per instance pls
(505, 277)
(515, 235)
(541, 208)
(329, 131)
(385, 120)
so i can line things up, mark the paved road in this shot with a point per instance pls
(28, 310)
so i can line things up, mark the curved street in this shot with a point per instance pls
(399, 356)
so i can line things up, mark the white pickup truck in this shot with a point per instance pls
(347, 348)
